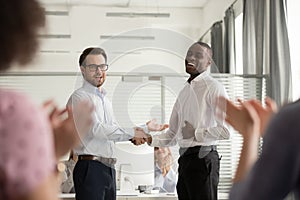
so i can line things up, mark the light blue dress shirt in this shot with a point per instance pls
(105, 131)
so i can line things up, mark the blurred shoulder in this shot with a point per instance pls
(14, 101)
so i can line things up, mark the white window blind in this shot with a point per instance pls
(243, 87)
(138, 98)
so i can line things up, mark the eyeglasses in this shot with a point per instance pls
(94, 67)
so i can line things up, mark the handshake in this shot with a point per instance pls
(140, 137)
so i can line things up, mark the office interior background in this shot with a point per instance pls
(146, 42)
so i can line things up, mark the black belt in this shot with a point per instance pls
(196, 149)
(107, 161)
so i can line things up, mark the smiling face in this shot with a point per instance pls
(197, 60)
(96, 78)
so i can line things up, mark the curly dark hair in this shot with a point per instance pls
(20, 21)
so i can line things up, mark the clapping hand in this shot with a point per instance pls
(243, 118)
(264, 113)
(250, 116)
(68, 125)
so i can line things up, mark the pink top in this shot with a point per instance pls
(26, 145)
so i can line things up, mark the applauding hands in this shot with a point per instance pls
(250, 116)
(68, 125)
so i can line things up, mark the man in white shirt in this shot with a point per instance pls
(196, 125)
(94, 173)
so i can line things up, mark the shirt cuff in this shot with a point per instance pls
(129, 132)
(200, 134)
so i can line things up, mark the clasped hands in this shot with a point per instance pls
(140, 137)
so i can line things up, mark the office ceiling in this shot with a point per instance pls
(131, 3)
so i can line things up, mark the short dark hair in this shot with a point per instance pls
(91, 51)
(203, 44)
(20, 22)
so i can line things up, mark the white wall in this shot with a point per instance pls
(85, 24)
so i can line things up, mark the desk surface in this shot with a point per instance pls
(162, 196)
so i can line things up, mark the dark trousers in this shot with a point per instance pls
(94, 180)
(198, 177)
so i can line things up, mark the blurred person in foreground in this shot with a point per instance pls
(276, 172)
(32, 138)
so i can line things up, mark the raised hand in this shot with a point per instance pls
(188, 131)
(68, 125)
(243, 117)
(264, 113)
(154, 126)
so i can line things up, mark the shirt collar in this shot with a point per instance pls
(90, 88)
(201, 76)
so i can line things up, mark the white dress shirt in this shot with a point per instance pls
(105, 130)
(196, 103)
